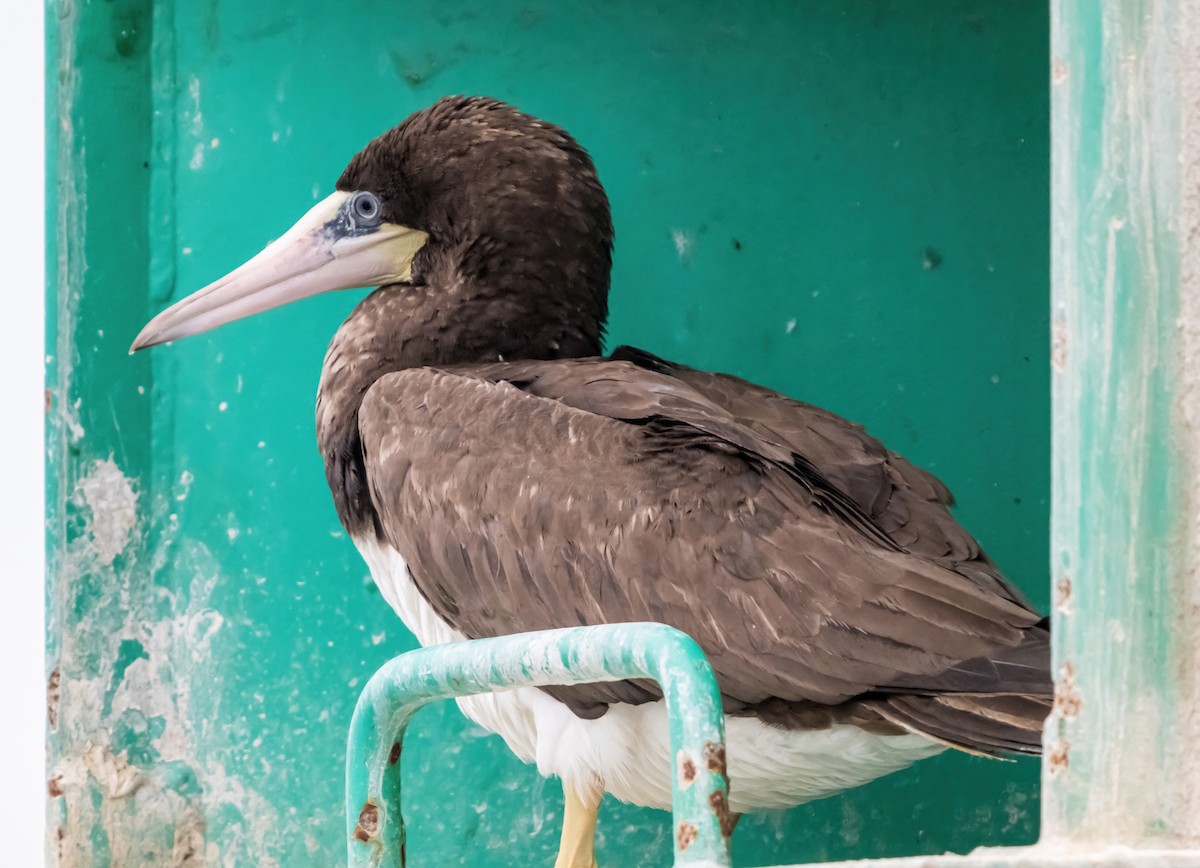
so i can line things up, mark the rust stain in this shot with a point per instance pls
(1058, 343)
(687, 770)
(368, 823)
(49, 400)
(685, 835)
(1058, 70)
(1062, 594)
(53, 695)
(1068, 700)
(714, 757)
(54, 786)
(394, 755)
(720, 805)
(1058, 759)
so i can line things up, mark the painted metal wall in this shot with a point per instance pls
(845, 200)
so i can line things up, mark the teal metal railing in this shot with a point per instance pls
(405, 684)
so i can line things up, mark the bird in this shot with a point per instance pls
(499, 474)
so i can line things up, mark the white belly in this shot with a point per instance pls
(627, 750)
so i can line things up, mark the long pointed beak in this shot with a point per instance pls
(326, 250)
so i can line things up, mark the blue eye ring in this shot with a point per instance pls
(366, 208)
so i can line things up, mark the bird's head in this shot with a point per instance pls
(482, 211)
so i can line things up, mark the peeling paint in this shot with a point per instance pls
(113, 503)
(1058, 340)
(133, 695)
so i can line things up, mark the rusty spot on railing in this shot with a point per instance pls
(368, 822)
(1068, 700)
(1058, 342)
(1062, 594)
(687, 769)
(1058, 759)
(725, 817)
(53, 696)
(54, 786)
(685, 835)
(394, 754)
(714, 757)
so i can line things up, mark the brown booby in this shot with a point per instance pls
(499, 475)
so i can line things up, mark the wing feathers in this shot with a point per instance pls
(533, 495)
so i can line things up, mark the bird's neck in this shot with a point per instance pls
(402, 326)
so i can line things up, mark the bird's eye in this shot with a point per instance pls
(365, 207)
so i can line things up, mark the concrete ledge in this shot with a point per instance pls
(1034, 857)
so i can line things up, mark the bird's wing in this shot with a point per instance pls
(527, 496)
(908, 503)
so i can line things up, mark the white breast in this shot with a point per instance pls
(627, 750)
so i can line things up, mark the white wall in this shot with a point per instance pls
(23, 787)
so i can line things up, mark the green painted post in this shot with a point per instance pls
(405, 684)
(1122, 764)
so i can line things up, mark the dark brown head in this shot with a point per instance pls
(493, 223)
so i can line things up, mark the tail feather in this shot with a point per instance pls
(988, 724)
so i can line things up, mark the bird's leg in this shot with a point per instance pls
(576, 849)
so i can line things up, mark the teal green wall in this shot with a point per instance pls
(845, 200)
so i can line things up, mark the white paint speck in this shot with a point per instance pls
(214, 144)
(223, 406)
(239, 384)
(275, 136)
(377, 638)
(141, 390)
(262, 444)
(197, 160)
(684, 242)
(187, 251)
(232, 533)
(70, 418)
(995, 379)
(790, 327)
(194, 93)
